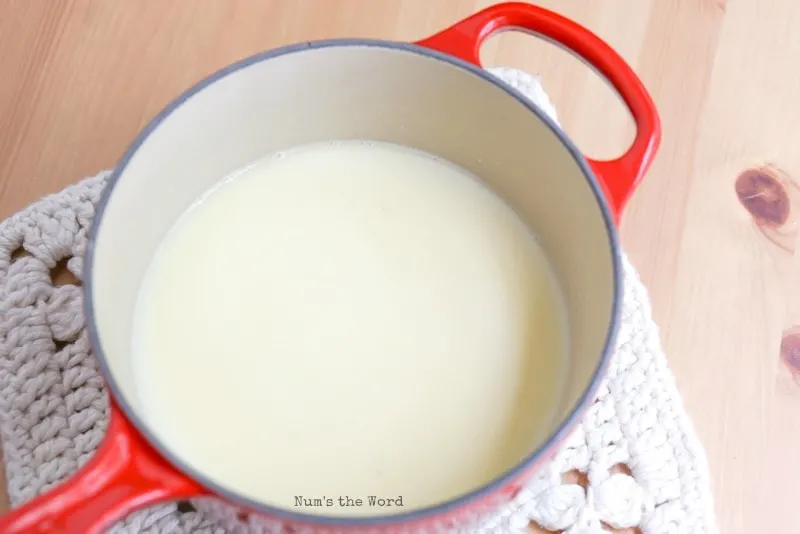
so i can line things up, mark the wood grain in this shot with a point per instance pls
(81, 77)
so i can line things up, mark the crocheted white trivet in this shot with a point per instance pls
(53, 407)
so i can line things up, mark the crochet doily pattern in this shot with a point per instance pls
(633, 462)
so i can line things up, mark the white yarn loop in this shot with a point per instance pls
(53, 406)
(557, 507)
(619, 501)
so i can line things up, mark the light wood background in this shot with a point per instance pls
(79, 78)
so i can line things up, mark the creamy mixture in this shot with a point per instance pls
(350, 321)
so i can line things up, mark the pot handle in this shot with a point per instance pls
(618, 177)
(125, 474)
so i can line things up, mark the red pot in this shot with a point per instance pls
(570, 201)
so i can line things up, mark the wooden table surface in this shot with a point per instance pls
(81, 77)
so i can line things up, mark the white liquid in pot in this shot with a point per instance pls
(350, 320)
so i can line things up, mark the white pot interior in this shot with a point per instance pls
(355, 91)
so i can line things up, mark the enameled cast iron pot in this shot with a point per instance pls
(432, 95)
